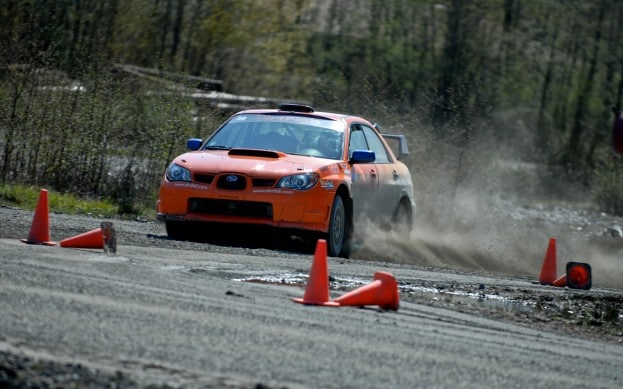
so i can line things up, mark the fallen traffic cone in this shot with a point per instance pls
(383, 291)
(93, 239)
(579, 275)
(40, 228)
(317, 289)
(548, 270)
(560, 281)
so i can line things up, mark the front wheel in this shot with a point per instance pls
(177, 230)
(339, 236)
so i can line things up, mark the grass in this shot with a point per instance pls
(27, 197)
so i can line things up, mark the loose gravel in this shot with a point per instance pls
(595, 314)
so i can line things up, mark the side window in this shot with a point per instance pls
(357, 140)
(376, 145)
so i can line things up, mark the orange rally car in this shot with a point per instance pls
(313, 173)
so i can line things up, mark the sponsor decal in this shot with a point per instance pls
(273, 191)
(191, 185)
(327, 184)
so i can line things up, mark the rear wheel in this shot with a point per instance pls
(339, 236)
(402, 222)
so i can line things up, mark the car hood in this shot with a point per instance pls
(250, 162)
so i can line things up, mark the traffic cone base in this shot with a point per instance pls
(317, 289)
(93, 239)
(578, 275)
(548, 270)
(40, 228)
(45, 243)
(313, 302)
(383, 291)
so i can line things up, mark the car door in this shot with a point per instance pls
(387, 182)
(364, 175)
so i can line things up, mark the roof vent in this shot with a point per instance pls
(295, 107)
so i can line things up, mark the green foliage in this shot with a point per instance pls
(27, 197)
(70, 120)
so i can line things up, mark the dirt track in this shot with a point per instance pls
(591, 315)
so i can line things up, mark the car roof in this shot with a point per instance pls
(308, 111)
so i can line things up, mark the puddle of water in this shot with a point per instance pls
(346, 283)
(492, 300)
(287, 279)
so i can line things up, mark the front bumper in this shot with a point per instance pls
(283, 208)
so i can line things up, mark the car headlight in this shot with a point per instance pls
(176, 172)
(302, 181)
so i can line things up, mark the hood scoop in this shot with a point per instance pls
(254, 153)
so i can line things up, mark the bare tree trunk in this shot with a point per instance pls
(188, 57)
(543, 129)
(574, 151)
(164, 24)
(177, 29)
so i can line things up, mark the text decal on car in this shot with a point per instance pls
(327, 184)
(188, 185)
(273, 191)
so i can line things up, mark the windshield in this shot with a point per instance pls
(291, 134)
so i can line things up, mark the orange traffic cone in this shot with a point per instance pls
(560, 281)
(40, 228)
(548, 270)
(579, 275)
(93, 239)
(317, 289)
(383, 291)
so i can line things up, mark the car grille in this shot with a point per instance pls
(231, 182)
(263, 182)
(204, 178)
(239, 183)
(231, 208)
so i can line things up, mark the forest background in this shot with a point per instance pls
(499, 98)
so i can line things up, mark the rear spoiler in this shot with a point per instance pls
(403, 149)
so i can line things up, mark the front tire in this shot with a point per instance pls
(177, 230)
(339, 236)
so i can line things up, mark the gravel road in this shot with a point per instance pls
(164, 313)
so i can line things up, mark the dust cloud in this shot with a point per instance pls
(485, 208)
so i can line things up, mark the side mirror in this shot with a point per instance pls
(194, 143)
(362, 156)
